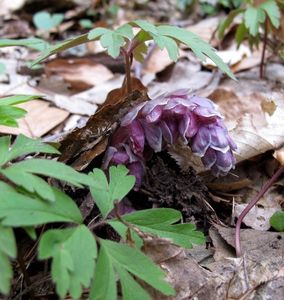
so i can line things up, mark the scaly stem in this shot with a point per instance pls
(263, 190)
(261, 67)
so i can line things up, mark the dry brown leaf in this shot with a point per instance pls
(40, 119)
(81, 73)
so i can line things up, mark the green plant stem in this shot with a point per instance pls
(252, 203)
(261, 67)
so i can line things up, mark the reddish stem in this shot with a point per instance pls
(263, 190)
(261, 68)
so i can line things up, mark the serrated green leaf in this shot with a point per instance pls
(24, 145)
(130, 287)
(112, 42)
(159, 221)
(146, 26)
(103, 286)
(277, 221)
(73, 251)
(137, 264)
(153, 216)
(8, 249)
(240, 33)
(125, 31)
(34, 43)
(198, 46)
(273, 12)
(253, 17)
(227, 22)
(23, 174)
(20, 210)
(96, 33)
(168, 43)
(105, 193)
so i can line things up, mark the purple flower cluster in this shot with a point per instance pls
(152, 125)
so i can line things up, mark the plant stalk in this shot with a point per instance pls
(252, 203)
(261, 67)
(127, 60)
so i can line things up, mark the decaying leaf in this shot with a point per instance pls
(84, 144)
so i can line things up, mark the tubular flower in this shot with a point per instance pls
(151, 126)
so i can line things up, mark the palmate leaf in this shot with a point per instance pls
(8, 250)
(74, 251)
(273, 12)
(159, 221)
(228, 21)
(105, 193)
(19, 210)
(253, 17)
(125, 261)
(23, 146)
(165, 36)
(25, 173)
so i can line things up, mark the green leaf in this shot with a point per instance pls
(146, 26)
(86, 23)
(138, 264)
(4, 148)
(45, 21)
(20, 210)
(81, 39)
(17, 99)
(24, 174)
(273, 12)
(159, 221)
(24, 145)
(240, 33)
(153, 216)
(105, 193)
(103, 286)
(228, 21)
(74, 251)
(96, 33)
(130, 287)
(198, 46)
(8, 249)
(33, 43)
(125, 31)
(253, 17)
(277, 221)
(112, 42)
(140, 52)
(9, 114)
(168, 43)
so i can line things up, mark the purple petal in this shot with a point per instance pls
(219, 139)
(225, 161)
(137, 169)
(209, 158)
(132, 114)
(137, 137)
(201, 141)
(153, 134)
